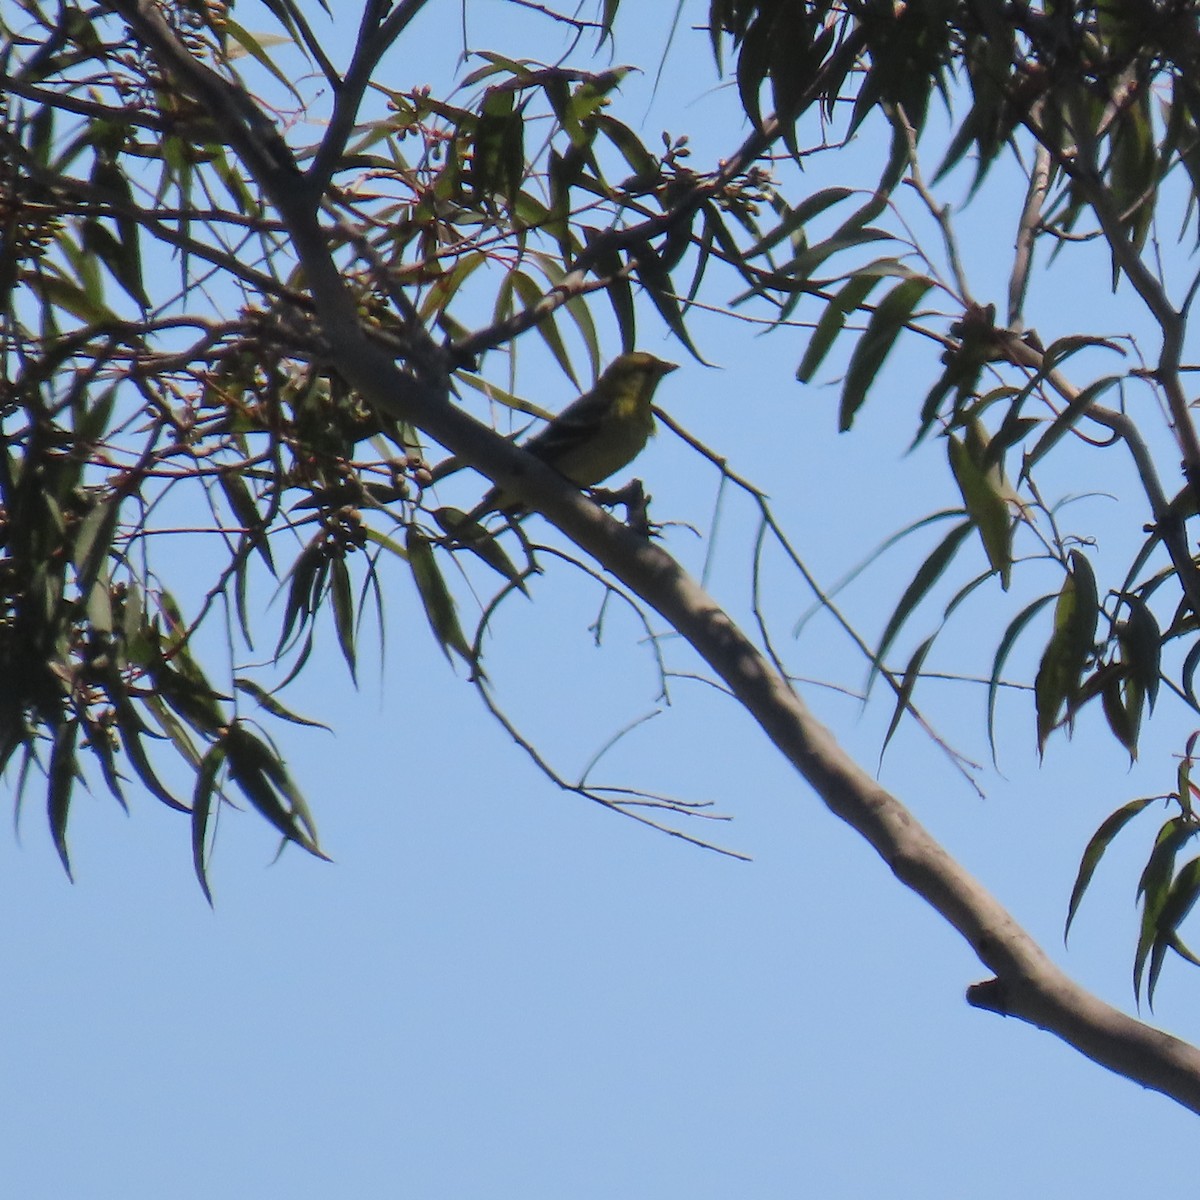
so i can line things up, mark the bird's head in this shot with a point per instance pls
(635, 375)
(640, 365)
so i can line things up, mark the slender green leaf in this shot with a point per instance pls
(63, 771)
(892, 314)
(273, 706)
(1073, 640)
(795, 219)
(1122, 712)
(1094, 852)
(1154, 888)
(641, 162)
(987, 505)
(203, 795)
(654, 277)
(1067, 419)
(131, 729)
(1141, 643)
(308, 575)
(246, 511)
(531, 297)
(480, 541)
(262, 778)
(1185, 890)
(619, 291)
(254, 47)
(93, 541)
(904, 698)
(1188, 673)
(870, 560)
(1180, 948)
(577, 308)
(99, 241)
(341, 596)
(832, 321)
(435, 597)
(927, 575)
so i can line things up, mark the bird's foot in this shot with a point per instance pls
(634, 498)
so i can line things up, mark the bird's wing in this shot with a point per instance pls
(576, 423)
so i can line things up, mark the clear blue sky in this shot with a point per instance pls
(500, 991)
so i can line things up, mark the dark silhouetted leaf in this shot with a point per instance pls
(1154, 887)
(1185, 888)
(1014, 630)
(480, 541)
(1094, 852)
(893, 313)
(904, 698)
(435, 597)
(929, 573)
(203, 796)
(61, 783)
(262, 778)
(1059, 675)
(341, 596)
(273, 706)
(985, 500)
(833, 320)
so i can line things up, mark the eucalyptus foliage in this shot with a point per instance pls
(137, 135)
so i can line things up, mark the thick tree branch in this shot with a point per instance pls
(1034, 989)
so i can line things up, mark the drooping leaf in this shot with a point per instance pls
(654, 277)
(99, 241)
(203, 796)
(794, 219)
(1072, 641)
(904, 697)
(308, 575)
(927, 575)
(893, 313)
(987, 504)
(435, 597)
(263, 779)
(577, 308)
(246, 511)
(94, 541)
(1068, 419)
(60, 786)
(620, 291)
(1185, 890)
(832, 321)
(531, 297)
(273, 706)
(341, 597)
(254, 46)
(1141, 643)
(498, 161)
(1154, 887)
(641, 162)
(1094, 852)
(131, 729)
(1122, 711)
(480, 541)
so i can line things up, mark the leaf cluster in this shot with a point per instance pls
(129, 400)
(1096, 105)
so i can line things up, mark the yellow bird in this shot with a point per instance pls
(598, 434)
